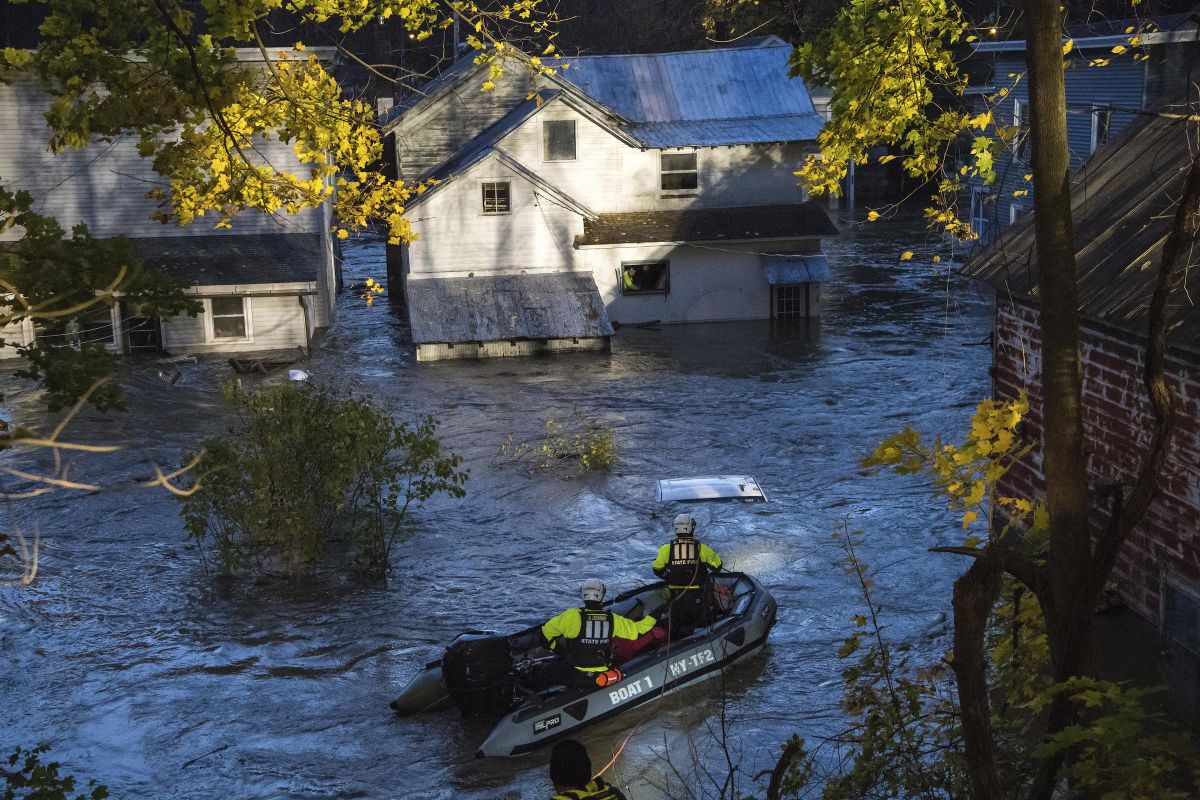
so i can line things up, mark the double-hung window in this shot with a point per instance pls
(230, 320)
(679, 174)
(981, 211)
(496, 197)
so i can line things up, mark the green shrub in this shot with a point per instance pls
(305, 467)
(576, 446)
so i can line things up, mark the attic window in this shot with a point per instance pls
(679, 175)
(558, 140)
(496, 198)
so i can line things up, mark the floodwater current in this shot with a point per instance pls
(148, 674)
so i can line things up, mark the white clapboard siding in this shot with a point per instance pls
(428, 135)
(608, 175)
(595, 178)
(707, 285)
(275, 322)
(742, 175)
(14, 335)
(455, 236)
(105, 184)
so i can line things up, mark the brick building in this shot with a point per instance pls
(1124, 202)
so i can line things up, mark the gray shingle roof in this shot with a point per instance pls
(555, 305)
(709, 225)
(1123, 204)
(235, 258)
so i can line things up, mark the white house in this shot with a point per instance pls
(630, 188)
(266, 284)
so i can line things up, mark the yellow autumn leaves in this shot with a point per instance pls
(967, 475)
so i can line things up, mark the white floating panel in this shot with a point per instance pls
(714, 487)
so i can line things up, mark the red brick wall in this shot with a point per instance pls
(1116, 416)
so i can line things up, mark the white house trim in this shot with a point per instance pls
(210, 336)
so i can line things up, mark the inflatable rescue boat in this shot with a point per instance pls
(489, 674)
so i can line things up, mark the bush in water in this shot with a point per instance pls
(306, 465)
(574, 446)
(27, 777)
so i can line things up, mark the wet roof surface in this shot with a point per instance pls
(709, 225)
(244, 258)
(1123, 202)
(552, 305)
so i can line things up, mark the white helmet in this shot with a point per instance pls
(593, 590)
(685, 525)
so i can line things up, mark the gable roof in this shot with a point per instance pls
(471, 156)
(697, 98)
(1123, 204)
(1106, 33)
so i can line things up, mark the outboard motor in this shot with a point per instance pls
(477, 669)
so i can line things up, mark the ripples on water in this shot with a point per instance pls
(160, 681)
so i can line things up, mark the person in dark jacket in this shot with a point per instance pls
(571, 774)
(685, 564)
(583, 637)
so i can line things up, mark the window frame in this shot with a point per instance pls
(666, 290)
(483, 209)
(1021, 144)
(1187, 589)
(664, 192)
(546, 123)
(210, 328)
(1099, 111)
(1015, 210)
(980, 222)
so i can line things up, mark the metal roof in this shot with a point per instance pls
(1123, 204)
(554, 305)
(717, 487)
(739, 95)
(740, 223)
(784, 270)
(234, 258)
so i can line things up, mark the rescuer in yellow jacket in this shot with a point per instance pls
(583, 637)
(685, 564)
(571, 774)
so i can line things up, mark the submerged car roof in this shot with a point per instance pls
(712, 487)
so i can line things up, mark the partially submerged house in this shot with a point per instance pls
(1101, 100)
(268, 283)
(1123, 204)
(620, 189)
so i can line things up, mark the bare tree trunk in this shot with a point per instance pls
(975, 594)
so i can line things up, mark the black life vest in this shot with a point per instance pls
(593, 647)
(684, 567)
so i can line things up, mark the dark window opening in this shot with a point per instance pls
(1181, 615)
(1101, 122)
(558, 140)
(496, 198)
(653, 277)
(680, 174)
(791, 301)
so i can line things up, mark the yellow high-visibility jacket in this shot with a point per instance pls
(568, 624)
